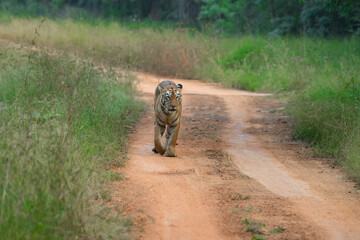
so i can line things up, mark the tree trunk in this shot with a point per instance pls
(272, 10)
(155, 13)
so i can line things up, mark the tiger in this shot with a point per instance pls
(167, 107)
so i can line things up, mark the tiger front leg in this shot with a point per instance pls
(171, 138)
(159, 131)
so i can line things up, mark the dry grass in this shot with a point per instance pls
(165, 52)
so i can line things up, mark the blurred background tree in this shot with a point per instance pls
(274, 17)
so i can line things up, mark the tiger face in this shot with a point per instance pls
(171, 99)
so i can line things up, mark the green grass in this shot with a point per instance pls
(277, 230)
(327, 114)
(254, 226)
(319, 77)
(62, 124)
(255, 237)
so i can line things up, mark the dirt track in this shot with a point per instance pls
(235, 162)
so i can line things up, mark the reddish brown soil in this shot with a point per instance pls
(236, 165)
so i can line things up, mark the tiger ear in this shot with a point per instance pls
(160, 89)
(179, 86)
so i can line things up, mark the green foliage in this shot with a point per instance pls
(244, 62)
(61, 125)
(245, 51)
(323, 18)
(352, 157)
(225, 14)
(257, 237)
(275, 17)
(281, 17)
(130, 10)
(328, 115)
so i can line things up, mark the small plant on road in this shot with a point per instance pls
(241, 197)
(255, 237)
(278, 230)
(253, 226)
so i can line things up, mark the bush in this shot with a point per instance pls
(241, 54)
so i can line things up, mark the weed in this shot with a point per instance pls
(236, 210)
(278, 230)
(247, 209)
(255, 237)
(241, 197)
(253, 226)
(105, 195)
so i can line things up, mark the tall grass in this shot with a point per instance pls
(320, 76)
(61, 126)
(161, 51)
(327, 114)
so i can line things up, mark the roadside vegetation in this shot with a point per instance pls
(318, 77)
(62, 126)
(62, 123)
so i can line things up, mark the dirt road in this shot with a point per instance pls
(238, 175)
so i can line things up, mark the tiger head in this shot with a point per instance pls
(171, 98)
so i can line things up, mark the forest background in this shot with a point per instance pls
(274, 17)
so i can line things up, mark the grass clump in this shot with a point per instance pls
(61, 125)
(244, 52)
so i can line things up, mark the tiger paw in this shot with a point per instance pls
(160, 151)
(171, 154)
(154, 150)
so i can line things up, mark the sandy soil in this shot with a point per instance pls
(238, 174)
